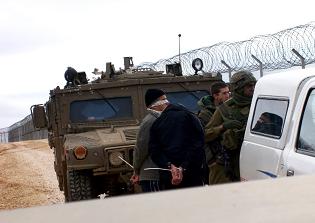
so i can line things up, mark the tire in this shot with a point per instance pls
(79, 185)
(65, 182)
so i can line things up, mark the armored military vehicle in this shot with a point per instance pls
(92, 126)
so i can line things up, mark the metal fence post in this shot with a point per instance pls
(299, 56)
(260, 65)
(228, 67)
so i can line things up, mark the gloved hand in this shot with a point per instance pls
(232, 124)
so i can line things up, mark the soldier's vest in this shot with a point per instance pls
(232, 139)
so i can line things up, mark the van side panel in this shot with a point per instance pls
(258, 161)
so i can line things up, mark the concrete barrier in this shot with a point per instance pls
(278, 200)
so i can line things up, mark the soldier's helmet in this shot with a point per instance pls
(241, 78)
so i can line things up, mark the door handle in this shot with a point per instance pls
(290, 172)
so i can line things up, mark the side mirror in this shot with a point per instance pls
(39, 116)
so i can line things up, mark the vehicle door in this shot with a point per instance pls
(301, 158)
(262, 149)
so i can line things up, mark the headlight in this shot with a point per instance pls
(114, 158)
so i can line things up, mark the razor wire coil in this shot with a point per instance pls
(274, 51)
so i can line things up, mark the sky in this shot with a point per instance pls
(40, 38)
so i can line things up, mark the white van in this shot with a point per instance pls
(280, 132)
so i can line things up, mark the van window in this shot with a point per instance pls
(188, 99)
(100, 109)
(306, 140)
(269, 116)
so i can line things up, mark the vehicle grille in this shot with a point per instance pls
(127, 154)
(131, 134)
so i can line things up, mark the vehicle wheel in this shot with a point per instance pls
(79, 185)
(114, 186)
(65, 182)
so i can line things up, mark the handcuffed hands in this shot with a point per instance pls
(177, 175)
(134, 179)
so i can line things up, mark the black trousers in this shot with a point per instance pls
(150, 185)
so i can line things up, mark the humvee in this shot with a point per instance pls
(92, 126)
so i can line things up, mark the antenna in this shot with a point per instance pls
(179, 35)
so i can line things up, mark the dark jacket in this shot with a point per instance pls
(177, 137)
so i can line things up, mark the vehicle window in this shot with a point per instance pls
(100, 109)
(188, 99)
(306, 140)
(269, 116)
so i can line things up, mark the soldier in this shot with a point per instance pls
(228, 124)
(219, 93)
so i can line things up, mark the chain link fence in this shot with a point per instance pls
(4, 135)
(22, 130)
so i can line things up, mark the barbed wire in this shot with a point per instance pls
(274, 51)
(22, 122)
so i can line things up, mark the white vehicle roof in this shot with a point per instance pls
(284, 83)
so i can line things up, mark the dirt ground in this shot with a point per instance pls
(27, 176)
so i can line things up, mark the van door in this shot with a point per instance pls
(262, 149)
(301, 158)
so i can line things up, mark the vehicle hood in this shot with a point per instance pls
(103, 137)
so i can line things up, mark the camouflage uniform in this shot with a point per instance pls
(207, 108)
(233, 116)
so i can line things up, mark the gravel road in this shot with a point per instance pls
(27, 176)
